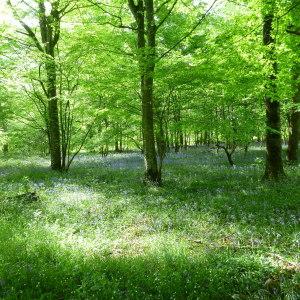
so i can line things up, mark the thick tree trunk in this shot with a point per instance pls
(151, 172)
(49, 24)
(54, 129)
(274, 165)
(50, 32)
(144, 9)
(294, 128)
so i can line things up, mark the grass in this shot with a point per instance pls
(211, 231)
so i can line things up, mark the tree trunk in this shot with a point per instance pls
(121, 142)
(176, 142)
(229, 157)
(151, 172)
(5, 149)
(161, 143)
(206, 138)
(50, 32)
(54, 129)
(147, 66)
(117, 150)
(185, 141)
(5, 146)
(274, 165)
(294, 128)
(167, 137)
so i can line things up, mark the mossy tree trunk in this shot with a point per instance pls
(143, 13)
(50, 32)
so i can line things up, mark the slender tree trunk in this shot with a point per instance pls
(172, 144)
(185, 141)
(246, 149)
(206, 138)
(176, 142)
(5, 149)
(274, 165)
(161, 143)
(229, 157)
(117, 146)
(294, 127)
(167, 137)
(5, 146)
(121, 142)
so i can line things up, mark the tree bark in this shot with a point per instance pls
(274, 165)
(117, 150)
(49, 26)
(54, 127)
(294, 125)
(146, 46)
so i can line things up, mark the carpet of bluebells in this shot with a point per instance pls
(210, 232)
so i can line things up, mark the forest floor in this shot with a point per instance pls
(210, 232)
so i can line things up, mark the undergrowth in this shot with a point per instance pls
(210, 232)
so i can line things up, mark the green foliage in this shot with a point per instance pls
(211, 232)
(215, 78)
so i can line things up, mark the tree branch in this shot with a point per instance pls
(295, 32)
(167, 15)
(190, 32)
(161, 6)
(29, 31)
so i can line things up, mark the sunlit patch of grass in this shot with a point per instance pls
(211, 231)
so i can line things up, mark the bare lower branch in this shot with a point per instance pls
(295, 32)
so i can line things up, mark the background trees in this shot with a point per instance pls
(155, 76)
